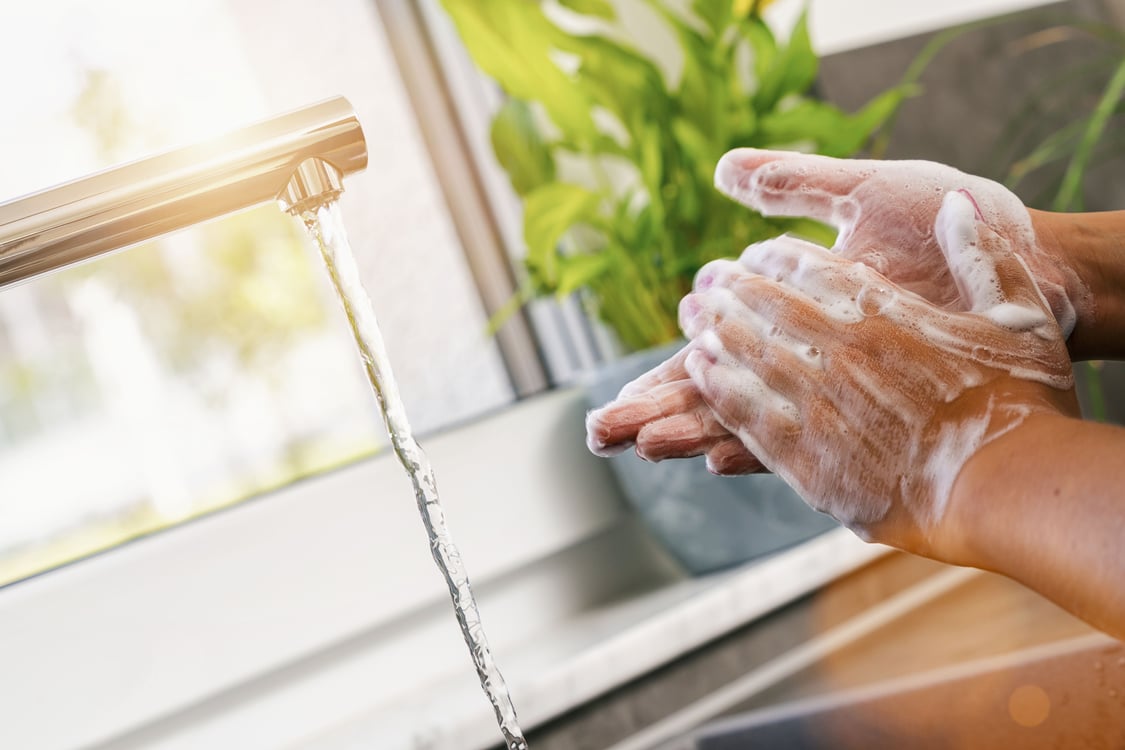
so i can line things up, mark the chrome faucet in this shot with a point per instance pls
(298, 159)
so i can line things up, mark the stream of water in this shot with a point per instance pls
(327, 229)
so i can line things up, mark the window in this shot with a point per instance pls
(175, 378)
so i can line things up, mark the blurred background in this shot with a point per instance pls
(212, 366)
(158, 384)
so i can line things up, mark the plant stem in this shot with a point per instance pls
(1070, 192)
(1094, 391)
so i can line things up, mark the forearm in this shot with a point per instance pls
(1092, 245)
(1045, 504)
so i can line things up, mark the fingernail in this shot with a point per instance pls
(700, 356)
(695, 362)
(976, 207)
(689, 313)
(730, 175)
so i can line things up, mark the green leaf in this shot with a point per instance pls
(807, 229)
(700, 152)
(763, 45)
(507, 310)
(548, 212)
(704, 86)
(644, 228)
(578, 270)
(880, 110)
(511, 42)
(618, 79)
(790, 72)
(715, 13)
(834, 132)
(651, 164)
(520, 147)
(599, 8)
(1059, 145)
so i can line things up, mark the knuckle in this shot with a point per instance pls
(774, 176)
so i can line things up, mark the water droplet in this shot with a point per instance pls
(814, 352)
(982, 354)
(1029, 705)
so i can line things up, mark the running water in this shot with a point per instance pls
(326, 227)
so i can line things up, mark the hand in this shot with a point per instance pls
(884, 213)
(863, 396)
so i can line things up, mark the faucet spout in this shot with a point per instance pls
(314, 184)
(299, 159)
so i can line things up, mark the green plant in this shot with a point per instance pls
(613, 158)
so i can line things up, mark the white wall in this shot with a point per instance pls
(838, 25)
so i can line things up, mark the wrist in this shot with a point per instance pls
(986, 501)
(1042, 504)
(1087, 253)
(984, 515)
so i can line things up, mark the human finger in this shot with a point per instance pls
(668, 371)
(680, 435)
(795, 294)
(730, 458)
(774, 339)
(614, 427)
(831, 281)
(763, 420)
(992, 279)
(787, 183)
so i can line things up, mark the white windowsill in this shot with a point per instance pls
(314, 617)
(595, 650)
(96, 649)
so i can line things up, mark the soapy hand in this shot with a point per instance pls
(863, 396)
(885, 214)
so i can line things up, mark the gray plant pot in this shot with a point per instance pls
(706, 522)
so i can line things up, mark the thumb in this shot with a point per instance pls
(992, 278)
